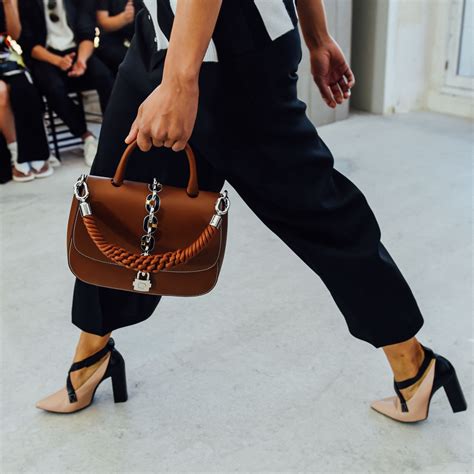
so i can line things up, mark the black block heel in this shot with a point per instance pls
(440, 374)
(455, 395)
(119, 383)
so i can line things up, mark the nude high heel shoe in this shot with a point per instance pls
(70, 400)
(436, 372)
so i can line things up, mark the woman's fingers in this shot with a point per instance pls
(349, 75)
(336, 92)
(144, 141)
(325, 92)
(179, 145)
(344, 87)
(132, 134)
(159, 135)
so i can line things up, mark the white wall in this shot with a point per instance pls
(399, 49)
(409, 56)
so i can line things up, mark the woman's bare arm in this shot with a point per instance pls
(312, 16)
(329, 68)
(112, 23)
(167, 116)
(12, 18)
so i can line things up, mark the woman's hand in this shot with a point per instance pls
(65, 62)
(128, 13)
(167, 116)
(331, 73)
(78, 68)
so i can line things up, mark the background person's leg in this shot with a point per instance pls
(52, 82)
(28, 112)
(97, 77)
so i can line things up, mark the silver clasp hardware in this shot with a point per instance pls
(222, 207)
(140, 284)
(79, 185)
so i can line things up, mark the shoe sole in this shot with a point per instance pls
(45, 174)
(22, 180)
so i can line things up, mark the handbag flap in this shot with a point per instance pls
(120, 212)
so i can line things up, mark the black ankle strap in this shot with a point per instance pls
(429, 355)
(87, 362)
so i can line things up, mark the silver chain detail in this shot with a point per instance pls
(150, 223)
(142, 281)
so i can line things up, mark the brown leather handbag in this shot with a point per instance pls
(147, 238)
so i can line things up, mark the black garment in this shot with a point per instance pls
(55, 85)
(114, 45)
(252, 129)
(33, 21)
(28, 114)
(112, 54)
(52, 81)
(240, 27)
(5, 158)
(27, 111)
(3, 27)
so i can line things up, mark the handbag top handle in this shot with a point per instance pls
(192, 188)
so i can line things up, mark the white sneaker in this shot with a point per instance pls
(90, 149)
(53, 161)
(41, 169)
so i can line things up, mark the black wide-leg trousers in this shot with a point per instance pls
(55, 84)
(253, 131)
(27, 110)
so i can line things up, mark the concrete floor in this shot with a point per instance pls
(260, 375)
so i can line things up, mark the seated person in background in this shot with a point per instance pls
(21, 115)
(115, 19)
(58, 40)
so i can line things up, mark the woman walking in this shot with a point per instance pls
(222, 75)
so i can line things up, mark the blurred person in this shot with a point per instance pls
(115, 19)
(58, 40)
(223, 75)
(21, 115)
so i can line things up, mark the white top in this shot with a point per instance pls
(59, 35)
(274, 14)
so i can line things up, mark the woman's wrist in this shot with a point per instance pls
(179, 75)
(317, 39)
(181, 83)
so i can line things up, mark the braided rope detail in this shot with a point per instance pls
(146, 263)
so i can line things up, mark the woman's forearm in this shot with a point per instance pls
(12, 18)
(312, 16)
(40, 53)
(85, 50)
(110, 23)
(190, 36)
